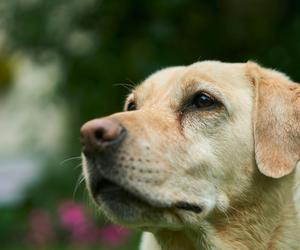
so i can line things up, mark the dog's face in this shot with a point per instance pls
(183, 148)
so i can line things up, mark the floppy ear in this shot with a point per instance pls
(276, 121)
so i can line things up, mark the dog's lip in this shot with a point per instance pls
(189, 207)
(107, 186)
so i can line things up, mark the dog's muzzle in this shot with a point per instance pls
(101, 140)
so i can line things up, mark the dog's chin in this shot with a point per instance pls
(124, 207)
(127, 208)
(116, 198)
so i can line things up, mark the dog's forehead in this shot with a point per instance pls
(162, 79)
(212, 71)
(170, 83)
(218, 73)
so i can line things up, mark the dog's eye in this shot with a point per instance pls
(204, 101)
(131, 106)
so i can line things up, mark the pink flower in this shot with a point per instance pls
(41, 229)
(113, 235)
(73, 216)
(76, 221)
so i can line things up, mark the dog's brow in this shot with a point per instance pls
(130, 97)
(191, 87)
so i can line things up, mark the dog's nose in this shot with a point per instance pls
(99, 134)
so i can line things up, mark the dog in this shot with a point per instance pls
(203, 157)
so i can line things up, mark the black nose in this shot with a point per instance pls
(100, 134)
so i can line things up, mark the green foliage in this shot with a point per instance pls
(102, 43)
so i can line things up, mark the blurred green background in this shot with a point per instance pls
(62, 63)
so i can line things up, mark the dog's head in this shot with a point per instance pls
(190, 142)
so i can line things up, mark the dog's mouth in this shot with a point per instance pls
(113, 191)
(108, 191)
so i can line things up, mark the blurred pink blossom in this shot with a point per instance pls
(41, 230)
(73, 216)
(74, 219)
(113, 235)
(79, 224)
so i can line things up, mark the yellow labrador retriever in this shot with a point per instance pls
(203, 157)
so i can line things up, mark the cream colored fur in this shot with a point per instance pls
(236, 161)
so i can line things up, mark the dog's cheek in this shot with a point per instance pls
(222, 202)
(206, 123)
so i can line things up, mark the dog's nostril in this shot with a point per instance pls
(99, 134)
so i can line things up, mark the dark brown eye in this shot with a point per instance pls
(131, 106)
(204, 101)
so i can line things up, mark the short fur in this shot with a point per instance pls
(237, 161)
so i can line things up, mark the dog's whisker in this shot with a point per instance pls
(80, 180)
(70, 159)
(78, 166)
(132, 83)
(127, 86)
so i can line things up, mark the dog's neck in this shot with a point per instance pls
(249, 224)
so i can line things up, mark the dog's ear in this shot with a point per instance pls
(276, 121)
